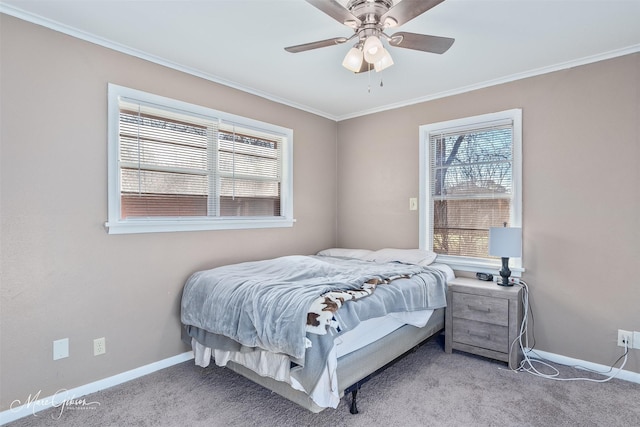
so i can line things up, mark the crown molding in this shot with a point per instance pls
(92, 38)
(65, 29)
(506, 79)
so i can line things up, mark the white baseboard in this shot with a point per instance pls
(633, 377)
(62, 396)
(35, 404)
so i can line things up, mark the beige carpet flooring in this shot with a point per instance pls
(426, 388)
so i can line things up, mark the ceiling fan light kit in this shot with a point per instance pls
(368, 19)
(353, 60)
(385, 61)
(372, 49)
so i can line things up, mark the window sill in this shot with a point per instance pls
(165, 226)
(477, 265)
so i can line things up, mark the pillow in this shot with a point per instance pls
(405, 256)
(346, 253)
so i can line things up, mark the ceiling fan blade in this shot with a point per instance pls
(315, 45)
(406, 10)
(423, 42)
(336, 11)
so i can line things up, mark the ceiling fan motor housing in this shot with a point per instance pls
(369, 13)
(362, 7)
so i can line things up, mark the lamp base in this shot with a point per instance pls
(505, 273)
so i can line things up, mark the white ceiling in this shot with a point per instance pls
(240, 43)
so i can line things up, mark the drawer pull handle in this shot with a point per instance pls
(479, 308)
(479, 335)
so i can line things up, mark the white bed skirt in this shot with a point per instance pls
(277, 365)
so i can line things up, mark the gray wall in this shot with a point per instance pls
(62, 274)
(581, 195)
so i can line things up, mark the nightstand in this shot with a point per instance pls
(484, 318)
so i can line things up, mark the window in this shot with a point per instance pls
(175, 166)
(470, 180)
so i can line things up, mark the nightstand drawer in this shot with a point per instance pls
(479, 334)
(481, 308)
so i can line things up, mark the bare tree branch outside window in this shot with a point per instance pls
(472, 186)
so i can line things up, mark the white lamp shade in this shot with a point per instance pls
(373, 49)
(353, 60)
(505, 242)
(385, 62)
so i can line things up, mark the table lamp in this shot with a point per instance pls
(505, 242)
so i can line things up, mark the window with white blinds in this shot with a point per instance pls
(470, 181)
(176, 166)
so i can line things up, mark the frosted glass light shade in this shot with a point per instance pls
(373, 49)
(385, 62)
(505, 242)
(353, 60)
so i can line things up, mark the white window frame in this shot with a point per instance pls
(117, 225)
(461, 263)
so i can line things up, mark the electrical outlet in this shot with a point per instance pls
(413, 204)
(636, 340)
(625, 338)
(99, 346)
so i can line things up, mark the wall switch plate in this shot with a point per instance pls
(413, 204)
(636, 340)
(61, 349)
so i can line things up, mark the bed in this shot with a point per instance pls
(315, 328)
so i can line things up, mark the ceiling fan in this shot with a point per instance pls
(369, 19)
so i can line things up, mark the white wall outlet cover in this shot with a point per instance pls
(636, 339)
(61, 349)
(99, 346)
(625, 336)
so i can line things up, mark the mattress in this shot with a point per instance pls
(356, 365)
(326, 393)
(273, 369)
(373, 329)
(277, 365)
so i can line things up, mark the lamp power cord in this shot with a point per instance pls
(527, 364)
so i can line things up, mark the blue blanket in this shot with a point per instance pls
(265, 303)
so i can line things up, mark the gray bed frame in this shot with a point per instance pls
(356, 367)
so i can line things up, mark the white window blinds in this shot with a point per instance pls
(471, 190)
(175, 166)
(178, 165)
(250, 172)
